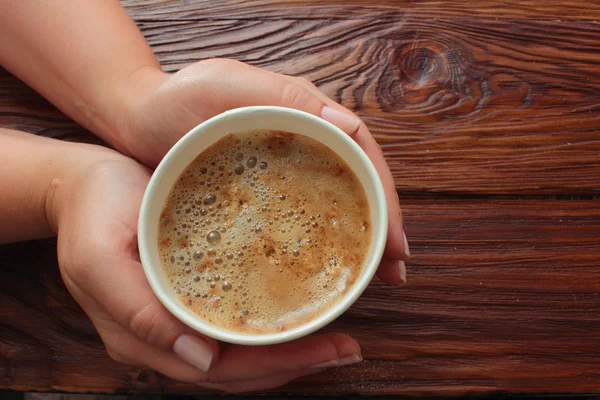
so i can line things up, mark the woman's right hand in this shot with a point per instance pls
(95, 212)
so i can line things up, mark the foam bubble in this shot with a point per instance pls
(213, 237)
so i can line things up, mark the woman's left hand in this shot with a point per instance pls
(95, 212)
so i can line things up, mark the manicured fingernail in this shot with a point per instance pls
(326, 364)
(348, 360)
(406, 248)
(194, 351)
(342, 120)
(402, 272)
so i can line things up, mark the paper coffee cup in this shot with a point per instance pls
(238, 121)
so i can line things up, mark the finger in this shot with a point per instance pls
(270, 382)
(256, 362)
(397, 244)
(392, 272)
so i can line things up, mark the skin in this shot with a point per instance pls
(90, 60)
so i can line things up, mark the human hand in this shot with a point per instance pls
(95, 212)
(167, 106)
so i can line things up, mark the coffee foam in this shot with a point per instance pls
(263, 231)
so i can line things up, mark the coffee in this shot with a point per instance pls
(264, 231)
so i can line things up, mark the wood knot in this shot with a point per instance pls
(421, 66)
(429, 79)
(425, 67)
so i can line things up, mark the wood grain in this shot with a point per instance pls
(502, 98)
(578, 10)
(502, 296)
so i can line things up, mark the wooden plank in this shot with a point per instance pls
(503, 296)
(465, 107)
(578, 10)
(461, 105)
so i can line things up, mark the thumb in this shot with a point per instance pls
(233, 84)
(124, 293)
(295, 93)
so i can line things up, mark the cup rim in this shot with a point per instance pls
(180, 311)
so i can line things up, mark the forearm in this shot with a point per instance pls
(33, 171)
(86, 57)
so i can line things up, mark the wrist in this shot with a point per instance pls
(63, 187)
(36, 187)
(115, 124)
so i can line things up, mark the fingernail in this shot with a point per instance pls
(406, 248)
(402, 272)
(348, 360)
(342, 120)
(326, 364)
(194, 351)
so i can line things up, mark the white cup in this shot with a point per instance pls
(202, 137)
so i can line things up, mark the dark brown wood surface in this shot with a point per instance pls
(489, 115)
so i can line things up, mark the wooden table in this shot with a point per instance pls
(489, 116)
